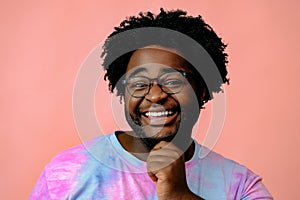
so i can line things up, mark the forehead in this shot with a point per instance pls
(156, 59)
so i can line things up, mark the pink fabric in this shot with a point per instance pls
(102, 169)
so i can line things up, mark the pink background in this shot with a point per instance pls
(44, 44)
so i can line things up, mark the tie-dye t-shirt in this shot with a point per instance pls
(103, 169)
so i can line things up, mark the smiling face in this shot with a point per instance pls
(169, 105)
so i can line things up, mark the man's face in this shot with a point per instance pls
(160, 113)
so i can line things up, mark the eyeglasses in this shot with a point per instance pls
(170, 83)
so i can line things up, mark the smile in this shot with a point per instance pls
(159, 113)
(160, 117)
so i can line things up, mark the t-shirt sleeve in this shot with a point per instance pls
(40, 191)
(254, 189)
(61, 175)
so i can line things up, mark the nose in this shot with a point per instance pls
(156, 94)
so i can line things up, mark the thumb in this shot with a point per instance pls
(152, 176)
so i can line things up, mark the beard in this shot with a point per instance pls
(181, 138)
(148, 141)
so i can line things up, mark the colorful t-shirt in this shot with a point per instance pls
(103, 169)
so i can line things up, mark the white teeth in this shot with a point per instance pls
(159, 114)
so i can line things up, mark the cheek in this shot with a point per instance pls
(190, 109)
(131, 104)
(188, 98)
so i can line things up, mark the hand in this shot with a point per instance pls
(165, 165)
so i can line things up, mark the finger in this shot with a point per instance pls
(155, 167)
(158, 164)
(161, 159)
(163, 144)
(164, 157)
(175, 154)
(165, 148)
(166, 145)
(152, 176)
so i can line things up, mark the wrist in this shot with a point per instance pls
(191, 196)
(181, 195)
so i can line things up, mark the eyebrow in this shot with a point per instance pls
(166, 70)
(136, 71)
(142, 69)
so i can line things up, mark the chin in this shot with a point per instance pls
(160, 132)
(151, 135)
(150, 142)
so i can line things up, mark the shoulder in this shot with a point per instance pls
(68, 165)
(240, 181)
(64, 172)
(76, 156)
(214, 161)
(230, 169)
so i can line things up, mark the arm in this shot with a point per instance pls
(166, 167)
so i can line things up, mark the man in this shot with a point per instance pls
(156, 73)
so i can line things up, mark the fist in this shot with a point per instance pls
(165, 165)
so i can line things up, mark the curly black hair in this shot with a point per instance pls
(176, 20)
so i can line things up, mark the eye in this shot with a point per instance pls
(173, 82)
(138, 84)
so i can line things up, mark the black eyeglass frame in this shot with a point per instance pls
(151, 82)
